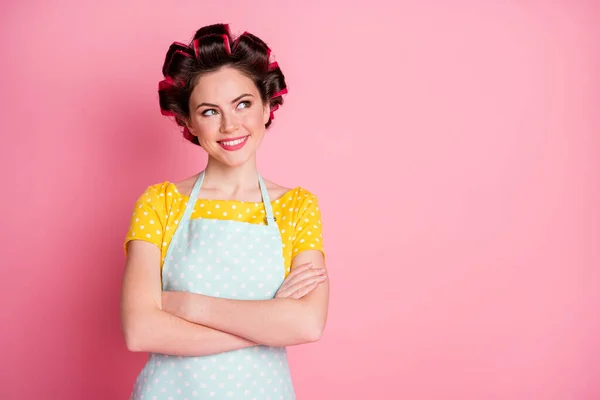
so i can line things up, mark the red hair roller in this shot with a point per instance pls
(197, 44)
(280, 93)
(187, 134)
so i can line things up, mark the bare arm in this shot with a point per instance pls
(276, 322)
(147, 328)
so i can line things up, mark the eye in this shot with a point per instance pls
(244, 104)
(209, 112)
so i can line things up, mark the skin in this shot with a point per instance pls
(224, 104)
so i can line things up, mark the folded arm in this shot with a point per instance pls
(275, 322)
(147, 328)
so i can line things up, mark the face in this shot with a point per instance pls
(227, 116)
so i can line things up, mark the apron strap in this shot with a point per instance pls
(266, 201)
(196, 191)
(189, 209)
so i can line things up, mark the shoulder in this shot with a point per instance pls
(282, 194)
(185, 186)
(299, 204)
(157, 190)
(276, 192)
(159, 196)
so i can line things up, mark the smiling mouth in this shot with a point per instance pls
(233, 144)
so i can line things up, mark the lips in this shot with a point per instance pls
(233, 144)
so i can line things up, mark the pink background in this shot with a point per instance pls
(454, 146)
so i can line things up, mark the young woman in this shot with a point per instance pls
(224, 269)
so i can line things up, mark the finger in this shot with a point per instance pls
(307, 274)
(295, 272)
(299, 269)
(287, 291)
(307, 282)
(300, 293)
(304, 277)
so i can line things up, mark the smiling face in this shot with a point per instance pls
(228, 116)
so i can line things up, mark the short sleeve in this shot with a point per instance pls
(308, 233)
(148, 219)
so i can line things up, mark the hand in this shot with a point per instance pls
(301, 281)
(176, 303)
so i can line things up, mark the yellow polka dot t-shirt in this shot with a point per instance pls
(160, 208)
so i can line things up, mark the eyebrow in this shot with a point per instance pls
(232, 101)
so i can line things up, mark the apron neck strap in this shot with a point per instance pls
(196, 191)
(189, 209)
(266, 201)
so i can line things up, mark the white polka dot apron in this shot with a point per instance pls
(226, 259)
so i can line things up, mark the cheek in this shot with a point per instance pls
(256, 119)
(206, 128)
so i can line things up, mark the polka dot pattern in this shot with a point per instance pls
(257, 373)
(297, 214)
(226, 259)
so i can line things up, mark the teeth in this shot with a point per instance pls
(233, 142)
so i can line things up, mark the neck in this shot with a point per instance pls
(230, 179)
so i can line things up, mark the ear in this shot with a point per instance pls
(266, 113)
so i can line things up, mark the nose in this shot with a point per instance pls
(229, 123)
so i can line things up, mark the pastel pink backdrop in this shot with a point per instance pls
(453, 145)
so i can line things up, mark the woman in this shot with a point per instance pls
(224, 269)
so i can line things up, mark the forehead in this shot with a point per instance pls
(222, 86)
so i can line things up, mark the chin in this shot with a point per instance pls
(238, 162)
(234, 159)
